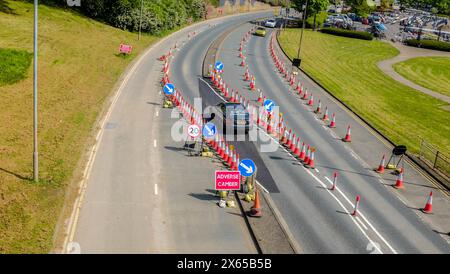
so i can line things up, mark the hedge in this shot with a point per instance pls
(429, 44)
(348, 33)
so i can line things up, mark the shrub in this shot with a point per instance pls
(348, 33)
(429, 44)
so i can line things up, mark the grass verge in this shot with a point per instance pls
(430, 72)
(348, 69)
(78, 68)
(14, 65)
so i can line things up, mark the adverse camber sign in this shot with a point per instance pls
(228, 180)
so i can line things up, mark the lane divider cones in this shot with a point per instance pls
(380, 168)
(292, 145)
(303, 152)
(347, 137)
(399, 181)
(297, 148)
(256, 208)
(311, 163)
(305, 95)
(355, 211)
(308, 153)
(318, 110)
(429, 205)
(333, 121)
(333, 187)
(311, 100)
(325, 115)
(260, 99)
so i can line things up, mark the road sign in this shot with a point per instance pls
(125, 48)
(209, 130)
(193, 131)
(218, 65)
(169, 89)
(247, 167)
(268, 105)
(227, 180)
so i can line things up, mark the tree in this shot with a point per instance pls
(314, 7)
(359, 7)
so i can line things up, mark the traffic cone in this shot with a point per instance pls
(380, 168)
(308, 153)
(333, 187)
(289, 141)
(311, 100)
(243, 62)
(333, 121)
(222, 150)
(227, 154)
(318, 110)
(429, 205)
(399, 182)
(297, 148)
(256, 208)
(236, 162)
(298, 86)
(355, 211)
(292, 145)
(302, 155)
(347, 137)
(284, 139)
(305, 95)
(230, 158)
(325, 115)
(311, 163)
(260, 97)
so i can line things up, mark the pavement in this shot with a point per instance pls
(318, 218)
(406, 53)
(142, 193)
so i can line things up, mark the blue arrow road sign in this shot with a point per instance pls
(169, 89)
(209, 130)
(219, 65)
(268, 105)
(247, 167)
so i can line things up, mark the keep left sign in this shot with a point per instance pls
(228, 180)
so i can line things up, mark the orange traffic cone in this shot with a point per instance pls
(325, 115)
(297, 148)
(310, 163)
(318, 109)
(308, 153)
(399, 182)
(303, 152)
(380, 168)
(429, 205)
(292, 145)
(347, 137)
(243, 62)
(260, 97)
(333, 187)
(256, 208)
(333, 121)
(305, 95)
(311, 100)
(355, 211)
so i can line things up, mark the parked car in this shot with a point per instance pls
(271, 23)
(260, 31)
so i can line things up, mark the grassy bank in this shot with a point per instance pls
(14, 65)
(430, 72)
(348, 68)
(78, 68)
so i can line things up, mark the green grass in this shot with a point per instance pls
(14, 65)
(78, 68)
(348, 68)
(430, 72)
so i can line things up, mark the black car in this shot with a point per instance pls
(235, 117)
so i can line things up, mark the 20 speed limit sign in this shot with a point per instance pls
(194, 131)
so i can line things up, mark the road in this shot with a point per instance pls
(142, 193)
(317, 217)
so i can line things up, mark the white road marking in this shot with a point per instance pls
(156, 189)
(154, 143)
(157, 113)
(359, 220)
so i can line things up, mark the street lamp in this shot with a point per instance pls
(35, 96)
(303, 28)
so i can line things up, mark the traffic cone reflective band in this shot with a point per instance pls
(399, 182)
(347, 137)
(355, 211)
(256, 208)
(311, 159)
(380, 168)
(297, 147)
(325, 115)
(333, 121)
(311, 100)
(318, 110)
(429, 205)
(303, 152)
(333, 187)
(260, 97)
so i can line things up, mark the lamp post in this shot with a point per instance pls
(140, 20)
(35, 95)
(303, 28)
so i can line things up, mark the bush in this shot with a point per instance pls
(348, 33)
(429, 44)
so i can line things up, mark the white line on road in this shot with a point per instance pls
(363, 225)
(154, 143)
(156, 189)
(157, 113)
